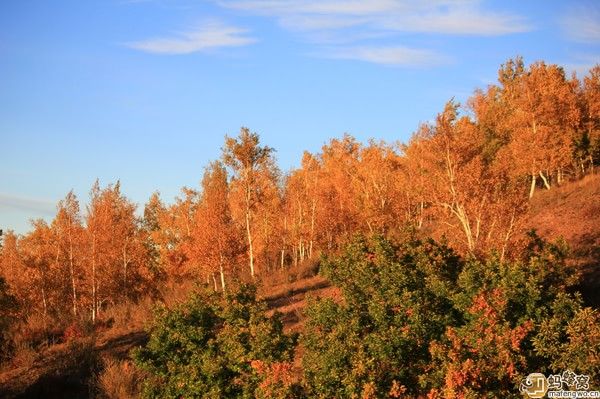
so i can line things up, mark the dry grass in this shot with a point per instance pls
(174, 293)
(23, 356)
(119, 379)
(27, 338)
(572, 212)
(308, 268)
(129, 316)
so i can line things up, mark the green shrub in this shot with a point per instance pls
(396, 299)
(417, 320)
(213, 347)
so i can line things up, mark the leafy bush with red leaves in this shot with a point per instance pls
(417, 320)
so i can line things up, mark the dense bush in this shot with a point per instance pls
(415, 319)
(217, 347)
(396, 299)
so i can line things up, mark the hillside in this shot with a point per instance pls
(573, 213)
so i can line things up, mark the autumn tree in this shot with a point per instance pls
(376, 188)
(153, 232)
(177, 226)
(168, 231)
(8, 316)
(301, 209)
(14, 271)
(38, 253)
(472, 196)
(116, 254)
(339, 215)
(10, 306)
(414, 183)
(542, 119)
(216, 239)
(254, 176)
(68, 231)
(269, 219)
(587, 145)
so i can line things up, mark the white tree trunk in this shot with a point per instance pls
(546, 184)
(532, 188)
(72, 272)
(222, 272)
(250, 247)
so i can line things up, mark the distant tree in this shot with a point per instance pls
(473, 196)
(17, 276)
(339, 216)
(178, 225)
(116, 252)
(543, 116)
(217, 241)
(38, 253)
(376, 188)
(69, 234)
(414, 181)
(301, 209)
(168, 234)
(154, 234)
(588, 144)
(254, 177)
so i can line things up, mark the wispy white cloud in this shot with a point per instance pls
(278, 7)
(206, 37)
(390, 56)
(458, 17)
(34, 205)
(582, 24)
(458, 21)
(354, 26)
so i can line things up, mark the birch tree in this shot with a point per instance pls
(69, 233)
(542, 120)
(217, 241)
(250, 163)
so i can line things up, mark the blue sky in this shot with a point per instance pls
(145, 90)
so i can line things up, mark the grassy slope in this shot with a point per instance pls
(573, 213)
